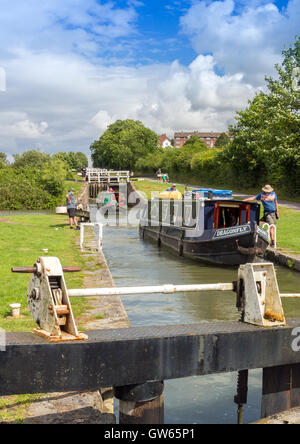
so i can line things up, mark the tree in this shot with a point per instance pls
(52, 176)
(3, 160)
(222, 140)
(184, 155)
(122, 144)
(75, 161)
(195, 143)
(266, 144)
(30, 159)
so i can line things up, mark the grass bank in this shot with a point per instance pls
(147, 187)
(22, 240)
(287, 228)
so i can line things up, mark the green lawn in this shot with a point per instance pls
(147, 187)
(288, 228)
(22, 240)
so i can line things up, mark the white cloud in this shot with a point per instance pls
(62, 92)
(28, 130)
(250, 42)
(78, 100)
(102, 120)
(18, 125)
(84, 27)
(194, 97)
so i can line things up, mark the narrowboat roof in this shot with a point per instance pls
(212, 193)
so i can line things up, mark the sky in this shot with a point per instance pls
(70, 68)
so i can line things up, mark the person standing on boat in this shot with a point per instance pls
(71, 207)
(269, 200)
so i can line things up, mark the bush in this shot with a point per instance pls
(30, 188)
(30, 159)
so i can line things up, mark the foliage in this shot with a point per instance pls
(32, 188)
(266, 145)
(52, 177)
(20, 189)
(30, 159)
(196, 143)
(222, 140)
(36, 180)
(174, 160)
(192, 147)
(122, 144)
(75, 161)
(3, 160)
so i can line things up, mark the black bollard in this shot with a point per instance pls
(141, 403)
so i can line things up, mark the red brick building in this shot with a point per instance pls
(209, 138)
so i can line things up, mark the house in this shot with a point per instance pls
(209, 138)
(164, 141)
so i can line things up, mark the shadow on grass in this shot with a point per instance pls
(66, 225)
(34, 401)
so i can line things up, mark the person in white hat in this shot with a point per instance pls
(269, 200)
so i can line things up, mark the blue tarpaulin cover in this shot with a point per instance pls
(209, 193)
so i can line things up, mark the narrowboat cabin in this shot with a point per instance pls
(206, 225)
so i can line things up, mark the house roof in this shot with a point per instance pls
(163, 138)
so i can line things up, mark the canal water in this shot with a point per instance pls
(134, 262)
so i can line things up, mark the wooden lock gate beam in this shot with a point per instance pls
(136, 355)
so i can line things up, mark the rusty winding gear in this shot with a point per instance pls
(48, 301)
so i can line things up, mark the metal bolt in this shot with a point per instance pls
(35, 294)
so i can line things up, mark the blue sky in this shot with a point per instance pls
(72, 67)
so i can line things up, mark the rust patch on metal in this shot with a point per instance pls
(273, 317)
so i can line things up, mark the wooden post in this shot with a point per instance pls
(281, 389)
(141, 404)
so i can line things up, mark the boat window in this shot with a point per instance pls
(165, 214)
(144, 212)
(178, 213)
(190, 213)
(231, 214)
(153, 212)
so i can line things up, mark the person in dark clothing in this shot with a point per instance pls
(83, 172)
(159, 175)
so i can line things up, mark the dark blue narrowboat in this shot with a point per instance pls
(206, 225)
